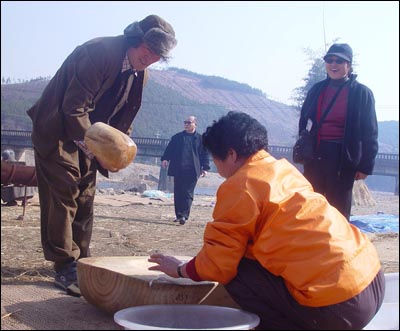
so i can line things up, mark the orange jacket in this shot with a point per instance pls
(267, 211)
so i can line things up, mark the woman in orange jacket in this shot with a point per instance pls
(281, 250)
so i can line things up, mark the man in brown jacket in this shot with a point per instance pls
(100, 81)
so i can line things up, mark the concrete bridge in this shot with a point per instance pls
(385, 165)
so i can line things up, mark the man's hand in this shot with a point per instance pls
(164, 164)
(105, 167)
(360, 175)
(81, 144)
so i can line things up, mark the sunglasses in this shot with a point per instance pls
(187, 122)
(329, 60)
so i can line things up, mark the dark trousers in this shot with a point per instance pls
(66, 185)
(258, 291)
(184, 184)
(323, 175)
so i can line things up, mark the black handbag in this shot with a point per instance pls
(305, 147)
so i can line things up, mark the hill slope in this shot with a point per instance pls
(173, 94)
(280, 120)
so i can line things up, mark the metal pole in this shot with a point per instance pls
(24, 203)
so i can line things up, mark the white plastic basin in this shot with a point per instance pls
(185, 317)
(203, 317)
(387, 317)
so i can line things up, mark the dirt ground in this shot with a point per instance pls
(131, 225)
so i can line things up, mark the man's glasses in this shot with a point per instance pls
(330, 60)
(187, 122)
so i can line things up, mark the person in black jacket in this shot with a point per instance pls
(347, 140)
(187, 160)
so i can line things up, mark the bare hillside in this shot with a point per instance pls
(173, 94)
(281, 120)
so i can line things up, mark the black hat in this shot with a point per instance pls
(343, 51)
(156, 32)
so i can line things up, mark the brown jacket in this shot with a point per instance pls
(79, 88)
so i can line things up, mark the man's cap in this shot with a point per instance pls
(343, 51)
(156, 32)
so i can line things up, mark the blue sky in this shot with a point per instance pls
(260, 43)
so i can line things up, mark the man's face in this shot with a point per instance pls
(142, 57)
(189, 124)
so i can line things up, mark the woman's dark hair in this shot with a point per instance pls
(238, 131)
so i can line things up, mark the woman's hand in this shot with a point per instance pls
(167, 264)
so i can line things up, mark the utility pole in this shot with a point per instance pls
(323, 23)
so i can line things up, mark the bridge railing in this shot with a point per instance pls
(387, 156)
(151, 141)
(16, 133)
(160, 143)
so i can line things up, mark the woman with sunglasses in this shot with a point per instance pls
(347, 138)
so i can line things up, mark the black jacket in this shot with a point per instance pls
(360, 143)
(173, 154)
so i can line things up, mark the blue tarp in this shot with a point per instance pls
(156, 194)
(381, 223)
